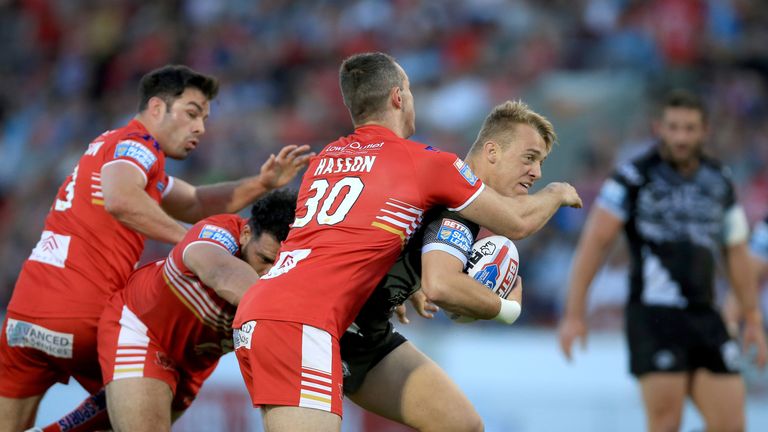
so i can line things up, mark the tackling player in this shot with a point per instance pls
(360, 201)
(117, 195)
(385, 373)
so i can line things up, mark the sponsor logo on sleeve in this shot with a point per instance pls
(220, 236)
(242, 336)
(455, 234)
(136, 151)
(52, 249)
(465, 171)
(27, 335)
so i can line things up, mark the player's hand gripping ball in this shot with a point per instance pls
(494, 263)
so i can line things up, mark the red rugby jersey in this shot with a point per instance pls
(188, 318)
(360, 200)
(84, 254)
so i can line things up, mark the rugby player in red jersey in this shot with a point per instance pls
(118, 195)
(360, 200)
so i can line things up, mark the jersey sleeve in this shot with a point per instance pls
(735, 223)
(614, 194)
(142, 152)
(451, 234)
(445, 179)
(222, 231)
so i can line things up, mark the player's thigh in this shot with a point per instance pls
(18, 414)
(139, 404)
(720, 399)
(664, 397)
(298, 419)
(408, 387)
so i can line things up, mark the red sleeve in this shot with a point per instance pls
(220, 230)
(445, 178)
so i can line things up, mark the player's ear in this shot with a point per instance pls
(396, 97)
(245, 235)
(491, 151)
(156, 106)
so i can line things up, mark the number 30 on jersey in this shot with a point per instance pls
(351, 186)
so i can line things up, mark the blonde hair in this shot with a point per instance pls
(503, 118)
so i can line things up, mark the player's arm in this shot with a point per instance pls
(191, 203)
(228, 275)
(600, 231)
(520, 216)
(444, 283)
(126, 200)
(744, 281)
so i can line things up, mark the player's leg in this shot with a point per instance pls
(140, 386)
(720, 400)
(18, 413)
(293, 372)
(139, 405)
(409, 388)
(717, 388)
(664, 397)
(298, 419)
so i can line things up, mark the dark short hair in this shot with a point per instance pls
(680, 98)
(273, 213)
(365, 81)
(170, 81)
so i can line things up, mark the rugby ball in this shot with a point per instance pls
(494, 263)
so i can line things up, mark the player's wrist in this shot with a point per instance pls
(753, 316)
(509, 312)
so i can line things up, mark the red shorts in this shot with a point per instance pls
(36, 353)
(290, 364)
(127, 349)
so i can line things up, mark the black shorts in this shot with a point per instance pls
(359, 354)
(663, 339)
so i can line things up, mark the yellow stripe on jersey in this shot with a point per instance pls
(390, 229)
(97, 201)
(317, 398)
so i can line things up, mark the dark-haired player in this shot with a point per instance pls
(117, 196)
(679, 211)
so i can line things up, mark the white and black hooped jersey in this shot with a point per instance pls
(676, 227)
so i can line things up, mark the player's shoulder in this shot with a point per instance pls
(634, 170)
(226, 221)
(223, 229)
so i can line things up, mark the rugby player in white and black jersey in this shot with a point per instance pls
(679, 212)
(383, 372)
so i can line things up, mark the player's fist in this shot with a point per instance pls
(567, 193)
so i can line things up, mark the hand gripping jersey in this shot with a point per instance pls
(84, 254)
(360, 201)
(676, 228)
(176, 313)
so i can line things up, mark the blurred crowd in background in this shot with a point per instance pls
(70, 70)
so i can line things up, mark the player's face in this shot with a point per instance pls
(182, 125)
(682, 132)
(260, 252)
(518, 166)
(409, 111)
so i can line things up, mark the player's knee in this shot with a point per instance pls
(664, 423)
(467, 422)
(727, 424)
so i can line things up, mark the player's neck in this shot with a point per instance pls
(397, 127)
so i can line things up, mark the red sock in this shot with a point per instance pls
(90, 416)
